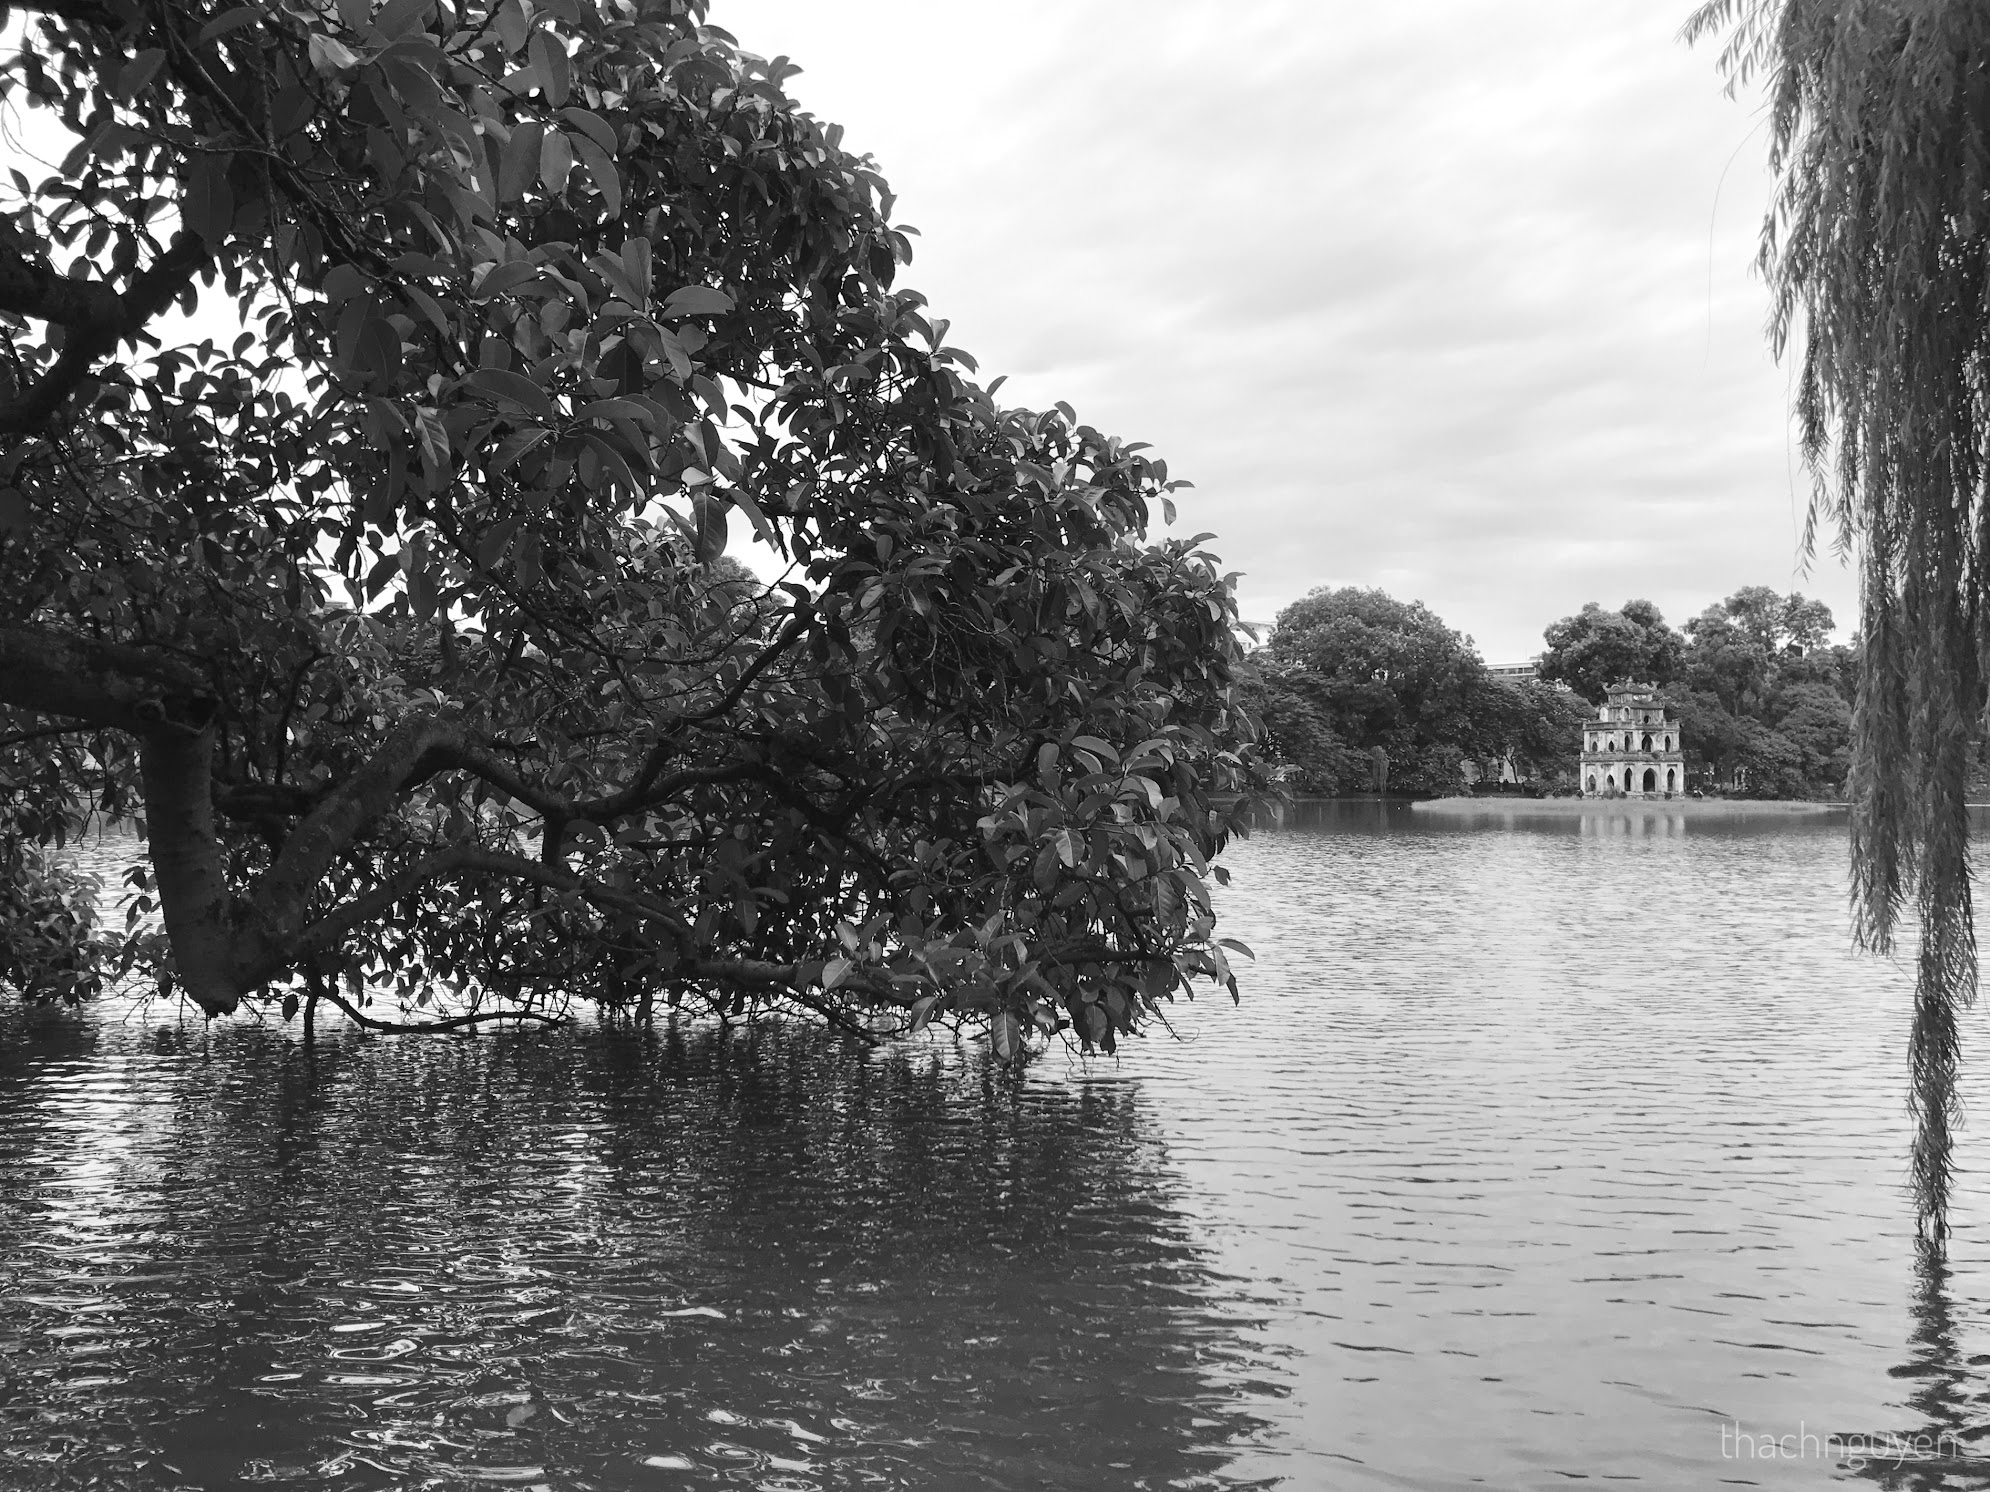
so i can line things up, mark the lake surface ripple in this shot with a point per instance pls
(1540, 1150)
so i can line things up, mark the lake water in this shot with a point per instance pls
(1540, 1151)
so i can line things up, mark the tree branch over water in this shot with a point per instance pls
(1875, 247)
(404, 620)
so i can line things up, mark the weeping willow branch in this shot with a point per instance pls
(1875, 248)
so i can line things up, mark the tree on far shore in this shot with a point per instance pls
(1347, 672)
(1595, 648)
(1728, 680)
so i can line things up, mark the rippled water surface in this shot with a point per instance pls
(1540, 1150)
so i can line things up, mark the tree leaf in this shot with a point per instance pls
(709, 519)
(330, 57)
(556, 161)
(617, 464)
(397, 17)
(695, 300)
(593, 126)
(209, 206)
(600, 170)
(225, 23)
(513, 388)
(137, 75)
(433, 438)
(506, 277)
(1005, 1036)
(759, 520)
(496, 543)
(550, 61)
(518, 168)
(636, 267)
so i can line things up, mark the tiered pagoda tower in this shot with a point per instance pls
(1632, 748)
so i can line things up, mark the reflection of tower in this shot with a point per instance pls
(1632, 748)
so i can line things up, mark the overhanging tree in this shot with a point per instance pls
(1876, 249)
(395, 615)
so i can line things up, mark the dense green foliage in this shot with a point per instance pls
(1763, 699)
(1355, 682)
(1596, 648)
(398, 618)
(1762, 696)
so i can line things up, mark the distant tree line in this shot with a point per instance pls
(1359, 691)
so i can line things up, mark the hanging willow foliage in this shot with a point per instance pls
(1875, 251)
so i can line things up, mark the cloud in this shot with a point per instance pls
(1451, 298)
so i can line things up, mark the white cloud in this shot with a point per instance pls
(1435, 297)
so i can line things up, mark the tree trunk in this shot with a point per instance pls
(187, 869)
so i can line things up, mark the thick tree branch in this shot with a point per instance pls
(640, 795)
(791, 982)
(95, 317)
(310, 852)
(99, 683)
(249, 801)
(32, 287)
(412, 753)
(208, 948)
(447, 1023)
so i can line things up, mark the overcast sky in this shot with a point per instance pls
(1455, 299)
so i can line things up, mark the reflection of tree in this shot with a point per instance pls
(1949, 1430)
(951, 1278)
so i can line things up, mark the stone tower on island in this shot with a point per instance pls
(1631, 749)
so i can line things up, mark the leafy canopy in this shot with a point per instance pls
(1595, 648)
(399, 617)
(1352, 671)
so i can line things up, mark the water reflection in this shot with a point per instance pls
(592, 1261)
(1547, 1145)
(1944, 1444)
(1658, 818)
(1594, 1139)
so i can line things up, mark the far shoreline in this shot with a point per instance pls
(1696, 807)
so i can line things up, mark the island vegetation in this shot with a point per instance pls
(382, 386)
(1360, 692)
